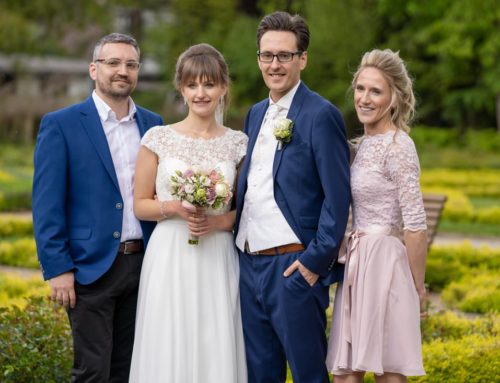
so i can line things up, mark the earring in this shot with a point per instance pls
(219, 111)
(185, 101)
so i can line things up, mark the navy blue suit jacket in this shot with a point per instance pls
(311, 179)
(77, 205)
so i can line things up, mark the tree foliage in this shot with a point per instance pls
(452, 47)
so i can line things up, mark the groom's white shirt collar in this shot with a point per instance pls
(285, 102)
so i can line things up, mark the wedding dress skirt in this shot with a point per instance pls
(188, 326)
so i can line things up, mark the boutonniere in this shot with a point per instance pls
(283, 129)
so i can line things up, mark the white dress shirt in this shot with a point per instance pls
(124, 141)
(262, 224)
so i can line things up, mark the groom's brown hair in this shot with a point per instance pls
(283, 21)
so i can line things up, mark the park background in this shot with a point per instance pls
(452, 49)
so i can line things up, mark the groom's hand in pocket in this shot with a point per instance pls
(308, 275)
(62, 289)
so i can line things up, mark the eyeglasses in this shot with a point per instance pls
(115, 64)
(283, 57)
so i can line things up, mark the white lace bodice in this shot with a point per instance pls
(179, 152)
(385, 183)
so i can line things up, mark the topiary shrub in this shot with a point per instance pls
(478, 292)
(35, 343)
(15, 227)
(15, 201)
(20, 252)
(472, 359)
(448, 325)
(14, 289)
(452, 262)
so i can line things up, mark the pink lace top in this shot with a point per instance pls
(385, 183)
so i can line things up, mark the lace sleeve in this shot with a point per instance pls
(404, 170)
(240, 141)
(150, 140)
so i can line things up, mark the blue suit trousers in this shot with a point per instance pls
(283, 320)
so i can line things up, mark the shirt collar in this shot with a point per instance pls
(285, 102)
(107, 114)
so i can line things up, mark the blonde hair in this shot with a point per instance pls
(394, 71)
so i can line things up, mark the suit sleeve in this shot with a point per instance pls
(331, 156)
(49, 199)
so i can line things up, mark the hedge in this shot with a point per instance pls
(477, 292)
(474, 182)
(471, 359)
(20, 252)
(35, 343)
(448, 325)
(452, 262)
(11, 226)
(14, 289)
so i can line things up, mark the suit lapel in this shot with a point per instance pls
(139, 118)
(293, 113)
(92, 125)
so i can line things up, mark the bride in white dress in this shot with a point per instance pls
(188, 327)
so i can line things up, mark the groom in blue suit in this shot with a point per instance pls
(90, 245)
(293, 200)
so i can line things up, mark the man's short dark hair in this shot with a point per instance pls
(283, 21)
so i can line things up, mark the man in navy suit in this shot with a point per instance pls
(292, 207)
(90, 245)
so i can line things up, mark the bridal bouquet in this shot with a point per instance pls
(202, 189)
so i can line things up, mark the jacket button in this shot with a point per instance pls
(116, 234)
(119, 205)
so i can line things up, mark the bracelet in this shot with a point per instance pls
(162, 212)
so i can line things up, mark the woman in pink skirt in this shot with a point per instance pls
(377, 310)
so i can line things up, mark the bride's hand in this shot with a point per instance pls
(182, 209)
(201, 224)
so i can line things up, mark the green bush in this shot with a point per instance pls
(476, 182)
(11, 226)
(35, 343)
(14, 289)
(448, 325)
(488, 215)
(452, 262)
(438, 147)
(15, 201)
(478, 292)
(472, 359)
(20, 252)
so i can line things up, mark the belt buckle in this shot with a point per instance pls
(247, 249)
(126, 250)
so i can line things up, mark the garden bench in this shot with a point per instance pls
(433, 205)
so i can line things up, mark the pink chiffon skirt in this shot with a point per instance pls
(376, 320)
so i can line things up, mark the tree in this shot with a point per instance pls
(453, 49)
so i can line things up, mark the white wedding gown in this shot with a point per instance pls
(188, 327)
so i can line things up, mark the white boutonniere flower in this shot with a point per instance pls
(283, 129)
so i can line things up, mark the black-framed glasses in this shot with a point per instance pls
(116, 63)
(283, 57)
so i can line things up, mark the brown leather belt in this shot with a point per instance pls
(278, 250)
(131, 247)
